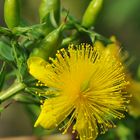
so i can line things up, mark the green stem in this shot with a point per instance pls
(15, 88)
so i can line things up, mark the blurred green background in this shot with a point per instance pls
(118, 17)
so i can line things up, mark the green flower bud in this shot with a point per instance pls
(12, 13)
(50, 10)
(49, 45)
(91, 13)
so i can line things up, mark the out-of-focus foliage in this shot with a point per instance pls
(122, 18)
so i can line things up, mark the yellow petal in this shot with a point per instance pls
(54, 111)
(37, 68)
(86, 127)
(134, 107)
(113, 49)
(99, 45)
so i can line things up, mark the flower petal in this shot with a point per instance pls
(54, 111)
(86, 127)
(37, 68)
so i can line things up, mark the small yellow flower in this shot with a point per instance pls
(89, 87)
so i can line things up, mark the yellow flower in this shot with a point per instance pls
(113, 48)
(89, 87)
(134, 106)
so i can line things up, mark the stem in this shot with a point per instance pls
(16, 87)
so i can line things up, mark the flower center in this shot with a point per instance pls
(85, 86)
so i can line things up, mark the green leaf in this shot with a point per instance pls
(5, 31)
(5, 52)
(20, 57)
(33, 32)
